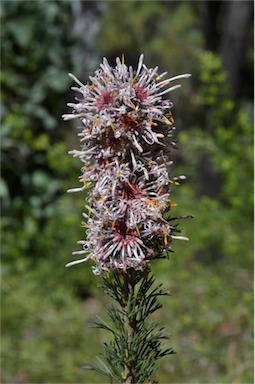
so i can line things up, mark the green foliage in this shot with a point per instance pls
(34, 162)
(212, 304)
(218, 161)
(146, 28)
(136, 345)
(33, 80)
(43, 324)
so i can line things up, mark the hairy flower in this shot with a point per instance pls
(126, 125)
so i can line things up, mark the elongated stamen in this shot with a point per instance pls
(140, 64)
(76, 262)
(179, 237)
(75, 79)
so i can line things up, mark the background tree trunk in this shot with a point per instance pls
(211, 24)
(86, 27)
(237, 16)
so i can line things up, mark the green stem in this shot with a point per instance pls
(130, 329)
(136, 345)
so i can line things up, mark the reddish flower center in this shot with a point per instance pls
(133, 192)
(104, 98)
(141, 93)
(121, 228)
(127, 122)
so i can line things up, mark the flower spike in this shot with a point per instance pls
(126, 129)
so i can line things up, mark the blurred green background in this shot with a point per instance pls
(46, 308)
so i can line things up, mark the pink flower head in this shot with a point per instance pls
(126, 125)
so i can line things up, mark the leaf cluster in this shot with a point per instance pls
(34, 78)
(135, 345)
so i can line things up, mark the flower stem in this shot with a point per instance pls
(129, 324)
(132, 353)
